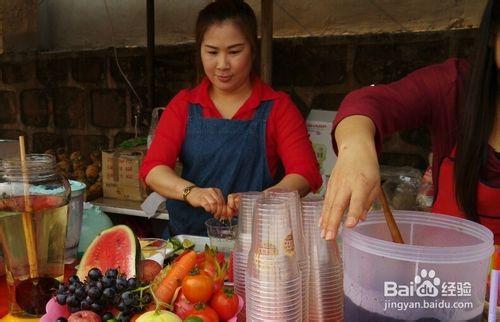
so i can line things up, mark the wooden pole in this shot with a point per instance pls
(266, 49)
(150, 55)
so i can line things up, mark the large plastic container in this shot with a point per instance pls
(439, 274)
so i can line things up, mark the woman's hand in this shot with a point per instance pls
(212, 201)
(233, 203)
(355, 179)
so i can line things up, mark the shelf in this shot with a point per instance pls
(126, 207)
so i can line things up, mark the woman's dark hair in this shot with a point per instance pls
(477, 116)
(219, 11)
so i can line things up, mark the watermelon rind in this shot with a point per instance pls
(107, 251)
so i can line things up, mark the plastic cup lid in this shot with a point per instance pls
(77, 187)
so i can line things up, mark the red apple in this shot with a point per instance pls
(84, 316)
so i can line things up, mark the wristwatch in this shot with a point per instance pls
(187, 191)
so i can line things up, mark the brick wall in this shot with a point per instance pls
(79, 101)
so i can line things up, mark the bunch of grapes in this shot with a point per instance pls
(99, 293)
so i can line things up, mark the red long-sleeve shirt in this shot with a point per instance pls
(286, 134)
(429, 96)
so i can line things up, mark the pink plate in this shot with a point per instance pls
(54, 310)
(240, 306)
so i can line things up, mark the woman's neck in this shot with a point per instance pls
(228, 102)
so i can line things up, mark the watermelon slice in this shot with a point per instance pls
(116, 247)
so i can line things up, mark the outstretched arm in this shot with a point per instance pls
(355, 179)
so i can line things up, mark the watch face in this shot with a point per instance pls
(187, 190)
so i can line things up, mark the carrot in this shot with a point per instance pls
(166, 288)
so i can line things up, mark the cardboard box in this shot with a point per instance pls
(120, 173)
(319, 126)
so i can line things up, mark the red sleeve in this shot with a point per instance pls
(292, 140)
(169, 135)
(426, 96)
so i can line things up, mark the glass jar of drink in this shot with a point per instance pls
(33, 222)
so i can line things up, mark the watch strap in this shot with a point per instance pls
(187, 191)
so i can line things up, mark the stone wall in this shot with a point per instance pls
(79, 101)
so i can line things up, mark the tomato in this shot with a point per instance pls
(225, 303)
(197, 286)
(204, 312)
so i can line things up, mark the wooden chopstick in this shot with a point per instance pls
(27, 214)
(389, 218)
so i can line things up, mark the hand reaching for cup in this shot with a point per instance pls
(355, 180)
(212, 201)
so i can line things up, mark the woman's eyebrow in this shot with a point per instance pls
(230, 47)
(235, 45)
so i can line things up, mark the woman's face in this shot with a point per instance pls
(226, 55)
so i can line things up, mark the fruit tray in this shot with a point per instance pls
(188, 241)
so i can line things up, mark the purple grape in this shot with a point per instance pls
(112, 273)
(132, 283)
(61, 299)
(80, 293)
(109, 293)
(72, 300)
(94, 293)
(121, 284)
(94, 274)
(84, 305)
(74, 279)
(95, 307)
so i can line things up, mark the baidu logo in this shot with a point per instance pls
(427, 284)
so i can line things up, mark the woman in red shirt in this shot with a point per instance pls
(465, 135)
(232, 132)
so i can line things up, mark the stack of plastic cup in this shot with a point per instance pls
(243, 243)
(326, 295)
(292, 199)
(273, 284)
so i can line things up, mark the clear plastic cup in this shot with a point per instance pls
(245, 211)
(257, 316)
(273, 281)
(222, 234)
(326, 270)
(153, 248)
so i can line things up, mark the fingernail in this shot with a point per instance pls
(323, 232)
(319, 222)
(350, 221)
(329, 235)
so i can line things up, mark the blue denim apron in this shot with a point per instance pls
(226, 154)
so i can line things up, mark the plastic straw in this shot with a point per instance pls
(494, 275)
(27, 223)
